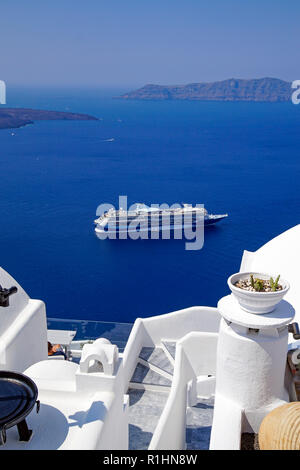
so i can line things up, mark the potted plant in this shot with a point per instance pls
(257, 292)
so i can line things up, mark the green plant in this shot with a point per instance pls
(259, 284)
(274, 284)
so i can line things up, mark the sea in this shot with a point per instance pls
(234, 157)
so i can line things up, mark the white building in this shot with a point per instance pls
(181, 379)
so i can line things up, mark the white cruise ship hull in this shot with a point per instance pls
(106, 227)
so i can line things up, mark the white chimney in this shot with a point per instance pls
(251, 362)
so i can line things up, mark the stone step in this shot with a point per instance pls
(144, 375)
(149, 387)
(199, 420)
(157, 360)
(169, 347)
(156, 369)
(145, 409)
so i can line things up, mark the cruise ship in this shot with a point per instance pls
(143, 219)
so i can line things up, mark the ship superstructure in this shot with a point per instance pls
(144, 218)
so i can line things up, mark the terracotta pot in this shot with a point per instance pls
(280, 429)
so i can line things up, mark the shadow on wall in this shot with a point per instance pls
(96, 412)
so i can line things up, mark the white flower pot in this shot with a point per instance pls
(257, 302)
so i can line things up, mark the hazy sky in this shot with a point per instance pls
(134, 42)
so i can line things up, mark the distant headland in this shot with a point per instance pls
(11, 118)
(261, 89)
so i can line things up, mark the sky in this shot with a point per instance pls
(112, 43)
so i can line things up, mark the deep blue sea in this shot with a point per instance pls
(240, 158)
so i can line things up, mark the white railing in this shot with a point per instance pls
(136, 341)
(170, 431)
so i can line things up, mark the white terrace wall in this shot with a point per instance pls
(151, 331)
(201, 351)
(23, 329)
(176, 325)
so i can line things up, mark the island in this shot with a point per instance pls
(12, 118)
(233, 89)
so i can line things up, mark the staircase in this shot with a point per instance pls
(154, 371)
(148, 392)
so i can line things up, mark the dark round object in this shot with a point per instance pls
(18, 395)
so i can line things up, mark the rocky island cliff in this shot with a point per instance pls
(17, 117)
(261, 89)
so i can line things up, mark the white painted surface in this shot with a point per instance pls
(85, 409)
(250, 368)
(177, 324)
(170, 431)
(149, 332)
(78, 410)
(227, 425)
(103, 355)
(68, 421)
(232, 311)
(137, 339)
(51, 375)
(23, 329)
(205, 387)
(201, 351)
